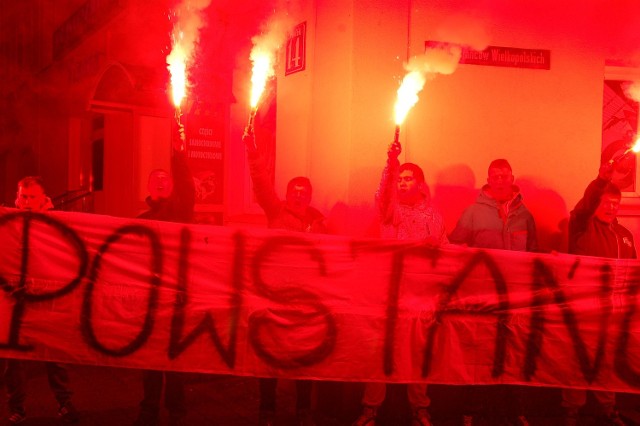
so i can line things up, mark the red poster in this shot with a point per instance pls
(205, 133)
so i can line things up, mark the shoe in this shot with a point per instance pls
(520, 421)
(68, 413)
(467, 420)
(266, 418)
(570, 417)
(176, 421)
(421, 417)
(367, 417)
(146, 419)
(611, 419)
(17, 417)
(305, 418)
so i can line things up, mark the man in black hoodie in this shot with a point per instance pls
(171, 199)
(294, 214)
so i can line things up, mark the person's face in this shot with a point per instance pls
(500, 182)
(31, 197)
(608, 208)
(298, 198)
(408, 187)
(160, 185)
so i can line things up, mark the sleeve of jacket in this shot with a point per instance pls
(463, 232)
(442, 232)
(386, 193)
(262, 186)
(532, 234)
(586, 207)
(184, 191)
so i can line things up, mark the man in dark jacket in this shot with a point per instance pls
(293, 214)
(594, 231)
(498, 220)
(32, 196)
(171, 199)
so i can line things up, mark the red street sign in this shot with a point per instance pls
(500, 56)
(297, 49)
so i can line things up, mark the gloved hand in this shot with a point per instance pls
(179, 139)
(394, 150)
(606, 170)
(249, 139)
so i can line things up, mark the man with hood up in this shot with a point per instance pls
(497, 220)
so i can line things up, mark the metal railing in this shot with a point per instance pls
(79, 200)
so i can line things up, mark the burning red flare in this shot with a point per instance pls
(263, 57)
(262, 70)
(411, 85)
(177, 64)
(635, 149)
(188, 18)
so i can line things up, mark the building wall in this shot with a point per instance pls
(335, 118)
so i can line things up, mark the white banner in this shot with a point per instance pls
(92, 289)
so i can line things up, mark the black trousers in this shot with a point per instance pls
(268, 394)
(174, 399)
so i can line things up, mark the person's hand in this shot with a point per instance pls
(606, 170)
(179, 139)
(394, 150)
(249, 139)
(432, 242)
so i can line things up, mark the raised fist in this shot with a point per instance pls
(179, 139)
(248, 138)
(606, 170)
(394, 150)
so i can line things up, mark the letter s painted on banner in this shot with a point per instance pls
(307, 306)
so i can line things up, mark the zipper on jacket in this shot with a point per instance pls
(617, 239)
